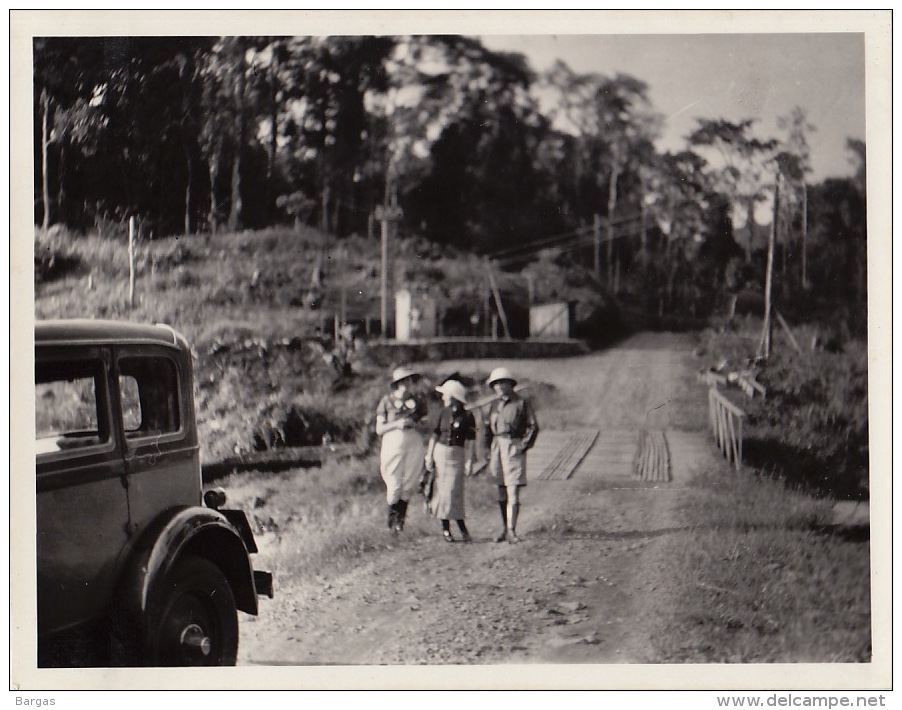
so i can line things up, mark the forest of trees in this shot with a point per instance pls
(204, 134)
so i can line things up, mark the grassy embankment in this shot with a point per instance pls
(265, 375)
(811, 428)
(770, 577)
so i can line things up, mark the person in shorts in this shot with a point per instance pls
(513, 429)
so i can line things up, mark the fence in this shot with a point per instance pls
(726, 426)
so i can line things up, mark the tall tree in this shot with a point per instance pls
(335, 75)
(797, 129)
(67, 72)
(682, 202)
(741, 170)
(230, 77)
(614, 127)
(481, 133)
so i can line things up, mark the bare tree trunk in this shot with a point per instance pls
(236, 207)
(45, 158)
(612, 206)
(750, 225)
(61, 183)
(189, 178)
(214, 177)
(324, 211)
(336, 216)
(235, 211)
(273, 140)
(188, 198)
(767, 327)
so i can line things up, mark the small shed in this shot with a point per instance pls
(415, 316)
(552, 321)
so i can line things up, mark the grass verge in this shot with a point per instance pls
(766, 580)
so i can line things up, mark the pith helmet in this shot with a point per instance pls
(402, 373)
(499, 374)
(454, 389)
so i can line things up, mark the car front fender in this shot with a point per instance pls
(194, 530)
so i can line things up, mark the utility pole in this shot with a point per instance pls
(764, 346)
(386, 214)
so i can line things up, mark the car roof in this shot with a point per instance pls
(85, 331)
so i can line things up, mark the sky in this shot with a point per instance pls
(730, 76)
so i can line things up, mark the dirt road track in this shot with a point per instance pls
(589, 584)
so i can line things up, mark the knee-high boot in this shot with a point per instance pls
(402, 514)
(502, 536)
(392, 515)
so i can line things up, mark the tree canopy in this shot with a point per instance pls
(202, 134)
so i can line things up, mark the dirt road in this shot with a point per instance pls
(587, 584)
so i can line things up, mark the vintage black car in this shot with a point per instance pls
(136, 565)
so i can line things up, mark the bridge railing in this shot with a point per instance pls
(726, 420)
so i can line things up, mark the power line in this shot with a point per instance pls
(577, 242)
(538, 243)
(545, 242)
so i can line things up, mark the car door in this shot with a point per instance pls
(82, 506)
(161, 453)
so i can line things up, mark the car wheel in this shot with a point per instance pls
(192, 617)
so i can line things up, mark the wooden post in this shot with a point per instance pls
(498, 302)
(785, 326)
(131, 262)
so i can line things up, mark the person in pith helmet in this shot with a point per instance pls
(449, 455)
(399, 416)
(513, 428)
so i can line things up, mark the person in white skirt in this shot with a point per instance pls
(450, 454)
(399, 416)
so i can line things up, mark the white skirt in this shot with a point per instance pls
(401, 463)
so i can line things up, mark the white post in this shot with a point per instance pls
(383, 286)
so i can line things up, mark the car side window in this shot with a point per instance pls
(148, 388)
(69, 406)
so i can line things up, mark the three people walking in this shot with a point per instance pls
(451, 450)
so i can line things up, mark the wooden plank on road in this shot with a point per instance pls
(613, 457)
(557, 454)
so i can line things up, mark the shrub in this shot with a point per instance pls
(812, 428)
